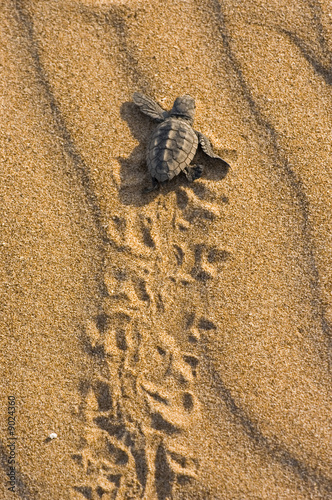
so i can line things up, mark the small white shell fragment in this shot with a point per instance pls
(53, 435)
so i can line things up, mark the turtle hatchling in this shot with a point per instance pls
(174, 142)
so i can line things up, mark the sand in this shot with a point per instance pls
(177, 343)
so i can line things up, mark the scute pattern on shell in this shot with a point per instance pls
(171, 149)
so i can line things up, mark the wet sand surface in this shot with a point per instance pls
(177, 342)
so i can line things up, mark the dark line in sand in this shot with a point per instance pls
(81, 170)
(279, 163)
(274, 450)
(324, 69)
(27, 29)
(309, 53)
(321, 61)
(114, 18)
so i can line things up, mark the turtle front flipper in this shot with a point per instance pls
(207, 148)
(149, 107)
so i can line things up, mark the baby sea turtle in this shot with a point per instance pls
(174, 142)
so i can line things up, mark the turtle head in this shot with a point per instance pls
(184, 107)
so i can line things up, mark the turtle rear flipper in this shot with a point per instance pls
(155, 185)
(207, 148)
(149, 107)
(194, 172)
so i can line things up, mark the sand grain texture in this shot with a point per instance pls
(177, 342)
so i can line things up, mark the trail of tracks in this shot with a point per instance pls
(142, 407)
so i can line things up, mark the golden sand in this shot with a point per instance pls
(176, 343)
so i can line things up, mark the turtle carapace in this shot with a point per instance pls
(174, 142)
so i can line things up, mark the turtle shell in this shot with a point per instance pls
(171, 149)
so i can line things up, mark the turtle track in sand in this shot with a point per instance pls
(141, 406)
